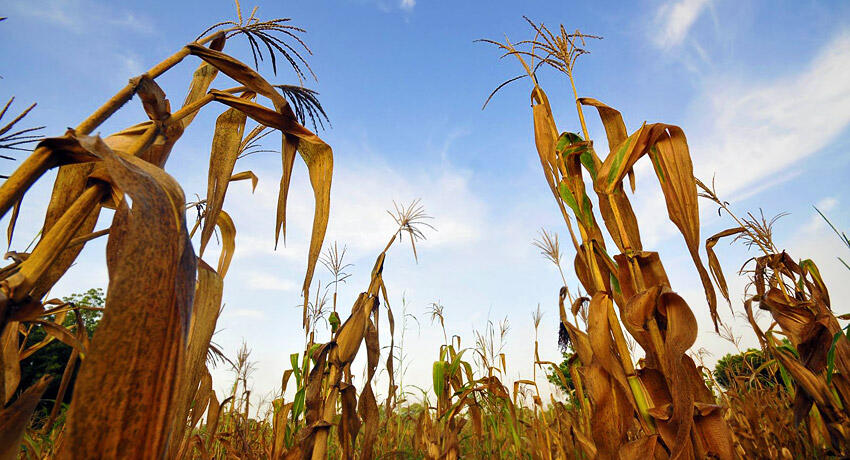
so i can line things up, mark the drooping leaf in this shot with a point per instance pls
(227, 137)
(228, 239)
(315, 152)
(668, 149)
(714, 264)
(201, 81)
(546, 139)
(616, 209)
(10, 365)
(145, 325)
(205, 310)
(244, 175)
(367, 405)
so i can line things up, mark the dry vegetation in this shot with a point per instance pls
(163, 301)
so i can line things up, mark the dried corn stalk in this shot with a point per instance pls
(673, 411)
(146, 361)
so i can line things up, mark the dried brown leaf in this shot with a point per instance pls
(15, 419)
(151, 283)
(229, 128)
(9, 362)
(244, 175)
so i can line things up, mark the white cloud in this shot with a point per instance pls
(816, 224)
(675, 19)
(82, 16)
(751, 133)
(827, 204)
(389, 6)
(269, 282)
(130, 65)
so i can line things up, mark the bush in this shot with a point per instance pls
(738, 369)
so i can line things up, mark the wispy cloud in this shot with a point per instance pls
(748, 134)
(675, 19)
(359, 205)
(388, 6)
(816, 221)
(751, 132)
(269, 282)
(82, 16)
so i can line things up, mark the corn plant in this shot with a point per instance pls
(662, 408)
(163, 300)
(817, 357)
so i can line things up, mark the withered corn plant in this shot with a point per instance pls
(143, 383)
(816, 353)
(663, 408)
(327, 417)
(327, 396)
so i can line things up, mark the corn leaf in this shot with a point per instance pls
(151, 284)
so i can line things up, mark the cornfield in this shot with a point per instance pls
(635, 386)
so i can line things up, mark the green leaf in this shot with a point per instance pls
(456, 362)
(587, 160)
(296, 369)
(655, 163)
(809, 266)
(570, 199)
(468, 369)
(615, 283)
(786, 379)
(311, 352)
(566, 139)
(618, 159)
(298, 404)
(587, 211)
(334, 322)
(583, 214)
(439, 376)
(830, 356)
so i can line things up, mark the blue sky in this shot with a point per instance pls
(760, 88)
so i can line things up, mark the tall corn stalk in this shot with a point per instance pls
(666, 398)
(146, 364)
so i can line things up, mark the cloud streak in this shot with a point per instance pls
(752, 132)
(676, 18)
(82, 16)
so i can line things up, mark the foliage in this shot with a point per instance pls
(744, 367)
(52, 358)
(564, 366)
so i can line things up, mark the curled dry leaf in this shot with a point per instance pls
(244, 175)
(315, 152)
(145, 325)
(667, 148)
(229, 128)
(714, 264)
